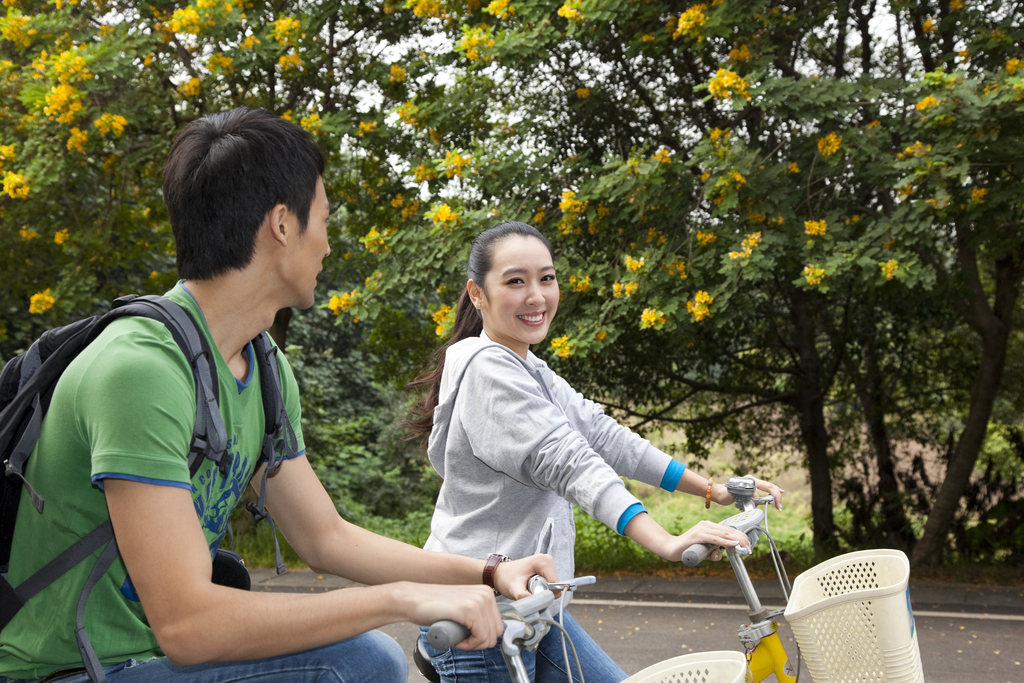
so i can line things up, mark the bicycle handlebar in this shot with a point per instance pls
(446, 633)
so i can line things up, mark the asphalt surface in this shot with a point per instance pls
(965, 632)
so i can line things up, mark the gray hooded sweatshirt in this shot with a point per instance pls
(516, 446)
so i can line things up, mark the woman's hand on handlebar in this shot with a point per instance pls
(510, 577)
(714, 534)
(722, 496)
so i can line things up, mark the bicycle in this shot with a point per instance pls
(528, 620)
(832, 596)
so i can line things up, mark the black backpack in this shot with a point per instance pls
(26, 387)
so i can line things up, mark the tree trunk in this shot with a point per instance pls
(810, 405)
(279, 330)
(993, 325)
(894, 525)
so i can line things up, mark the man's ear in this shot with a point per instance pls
(275, 222)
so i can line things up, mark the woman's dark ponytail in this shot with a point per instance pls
(468, 321)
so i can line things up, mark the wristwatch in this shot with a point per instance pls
(493, 560)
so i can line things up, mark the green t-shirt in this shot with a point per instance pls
(124, 408)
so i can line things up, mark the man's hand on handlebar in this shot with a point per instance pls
(510, 577)
(720, 495)
(472, 606)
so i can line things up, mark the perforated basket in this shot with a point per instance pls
(722, 666)
(852, 619)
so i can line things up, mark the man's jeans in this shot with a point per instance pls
(546, 665)
(366, 658)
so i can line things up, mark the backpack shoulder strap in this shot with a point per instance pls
(209, 436)
(279, 441)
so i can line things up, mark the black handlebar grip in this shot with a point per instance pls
(444, 634)
(697, 553)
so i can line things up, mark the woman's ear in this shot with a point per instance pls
(476, 293)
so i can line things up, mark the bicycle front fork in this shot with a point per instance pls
(769, 657)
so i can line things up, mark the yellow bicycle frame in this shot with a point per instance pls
(770, 658)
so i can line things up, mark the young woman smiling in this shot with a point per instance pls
(517, 446)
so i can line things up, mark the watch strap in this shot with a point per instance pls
(493, 560)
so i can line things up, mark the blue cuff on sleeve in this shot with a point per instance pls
(673, 474)
(625, 518)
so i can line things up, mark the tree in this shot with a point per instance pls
(734, 191)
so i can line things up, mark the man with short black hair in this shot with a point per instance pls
(249, 213)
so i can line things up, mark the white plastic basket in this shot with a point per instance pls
(852, 619)
(722, 666)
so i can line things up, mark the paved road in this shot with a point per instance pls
(966, 633)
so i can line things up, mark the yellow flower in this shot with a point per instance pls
(397, 73)
(915, 150)
(250, 41)
(617, 290)
(651, 317)
(928, 26)
(407, 113)
(367, 127)
(690, 21)
(444, 318)
(474, 40)
(581, 284)
(813, 274)
(40, 301)
(311, 122)
(929, 101)
(220, 61)
(70, 67)
(190, 88)
(62, 103)
(600, 336)
(740, 54)
(443, 214)
(792, 168)
(340, 304)
(705, 238)
(185, 21)
(583, 93)
(76, 141)
(630, 288)
(27, 233)
(290, 61)
(423, 173)
(662, 155)
(699, 306)
(6, 152)
(751, 241)
(874, 124)
(829, 144)
(14, 30)
(678, 266)
(1013, 65)
(285, 30)
(889, 268)
(956, 4)
(978, 194)
(454, 163)
(60, 237)
(634, 265)
(571, 10)
(728, 84)
(572, 209)
(15, 185)
(112, 123)
(539, 216)
(647, 38)
(815, 227)
(500, 9)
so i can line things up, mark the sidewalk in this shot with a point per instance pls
(925, 596)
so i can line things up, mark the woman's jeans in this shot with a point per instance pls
(366, 658)
(546, 665)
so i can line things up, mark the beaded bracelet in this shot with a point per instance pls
(707, 496)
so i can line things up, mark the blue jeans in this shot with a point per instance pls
(546, 665)
(366, 658)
